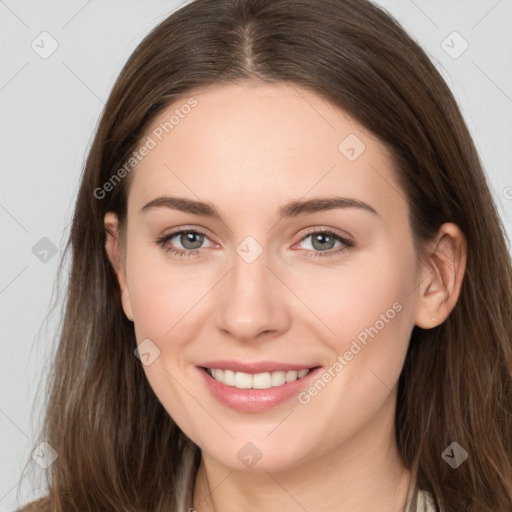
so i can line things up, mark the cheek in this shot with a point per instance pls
(168, 300)
(366, 310)
(369, 310)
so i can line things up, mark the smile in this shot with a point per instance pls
(265, 380)
(255, 390)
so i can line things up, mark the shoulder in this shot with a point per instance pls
(39, 505)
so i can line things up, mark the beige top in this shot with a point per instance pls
(425, 499)
(425, 502)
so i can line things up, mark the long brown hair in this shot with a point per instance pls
(118, 449)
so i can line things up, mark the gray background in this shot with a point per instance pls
(50, 107)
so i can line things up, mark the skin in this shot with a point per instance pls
(248, 149)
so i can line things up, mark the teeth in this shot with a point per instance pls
(229, 377)
(291, 376)
(264, 380)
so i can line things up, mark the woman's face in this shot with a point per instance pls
(297, 254)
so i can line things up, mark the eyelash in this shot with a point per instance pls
(348, 244)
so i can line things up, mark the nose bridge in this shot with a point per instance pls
(251, 301)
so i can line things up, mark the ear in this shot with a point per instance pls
(114, 253)
(441, 277)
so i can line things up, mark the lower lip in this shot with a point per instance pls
(255, 400)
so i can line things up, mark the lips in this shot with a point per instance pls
(255, 387)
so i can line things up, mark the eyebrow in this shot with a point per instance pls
(291, 209)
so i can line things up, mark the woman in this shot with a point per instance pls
(290, 286)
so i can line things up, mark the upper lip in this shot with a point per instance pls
(256, 367)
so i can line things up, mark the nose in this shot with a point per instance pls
(251, 302)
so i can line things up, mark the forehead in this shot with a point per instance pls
(253, 143)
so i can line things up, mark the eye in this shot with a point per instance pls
(184, 242)
(188, 242)
(323, 243)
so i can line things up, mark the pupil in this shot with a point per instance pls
(322, 238)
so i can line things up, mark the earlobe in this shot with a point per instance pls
(113, 250)
(441, 278)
